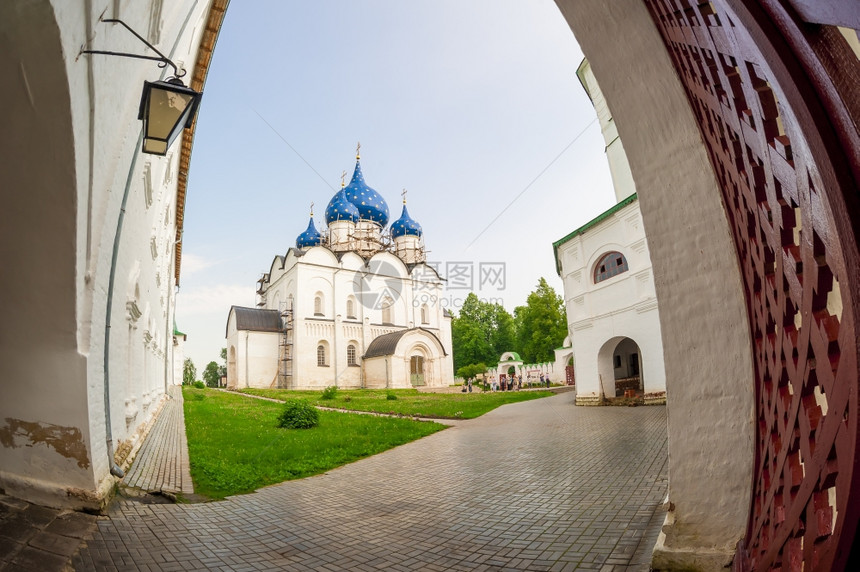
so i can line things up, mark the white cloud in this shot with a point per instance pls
(216, 298)
(192, 263)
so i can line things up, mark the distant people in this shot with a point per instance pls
(541, 379)
(470, 385)
(547, 381)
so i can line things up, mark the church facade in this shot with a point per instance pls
(609, 292)
(352, 306)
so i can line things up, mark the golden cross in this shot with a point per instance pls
(403, 194)
(358, 150)
(312, 209)
(343, 179)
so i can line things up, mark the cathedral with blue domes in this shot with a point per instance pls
(353, 304)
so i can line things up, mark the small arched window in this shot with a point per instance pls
(609, 265)
(350, 355)
(350, 308)
(318, 304)
(321, 359)
(425, 314)
(387, 311)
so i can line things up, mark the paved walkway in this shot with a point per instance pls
(161, 465)
(539, 485)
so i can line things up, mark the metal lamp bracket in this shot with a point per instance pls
(163, 61)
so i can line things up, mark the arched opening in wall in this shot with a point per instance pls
(319, 304)
(388, 311)
(322, 354)
(610, 264)
(620, 367)
(509, 378)
(569, 376)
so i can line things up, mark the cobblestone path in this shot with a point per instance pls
(539, 485)
(161, 465)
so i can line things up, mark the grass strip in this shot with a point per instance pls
(409, 402)
(235, 446)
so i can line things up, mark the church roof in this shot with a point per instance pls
(310, 237)
(405, 225)
(256, 319)
(340, 208)
(370, 204)
(386, 344)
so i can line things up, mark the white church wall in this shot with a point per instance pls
(377, 372)
(261, 371)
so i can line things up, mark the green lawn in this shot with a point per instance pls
(409, 401)
(235, 446)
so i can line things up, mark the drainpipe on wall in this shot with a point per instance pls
(114, 468)
(247, 358)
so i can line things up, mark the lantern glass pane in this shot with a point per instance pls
(165, 110)
(155, 146)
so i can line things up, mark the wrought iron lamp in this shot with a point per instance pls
(166, 107)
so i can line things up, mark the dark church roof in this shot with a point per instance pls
(256, 319)
(385, 344)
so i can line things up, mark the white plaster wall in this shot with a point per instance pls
(377, 372)
(78, 115)
(178, 359)
(258, 368)
(624, 305)
(619, 168)
(643, 328)
(703, 321)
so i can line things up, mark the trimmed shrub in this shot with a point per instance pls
(298, 414)
(391, 396)
(199, 384)
(329, 392)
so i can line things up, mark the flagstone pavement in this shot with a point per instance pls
(539, 485)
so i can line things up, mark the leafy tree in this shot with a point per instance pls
(481, 332)
(189, 372)
(471, 371)
(541, 324)
(222, 369)
(212, 375)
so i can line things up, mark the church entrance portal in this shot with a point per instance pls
(416, 370)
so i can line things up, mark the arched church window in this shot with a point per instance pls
(609, 265)
(425, 314)
(350, 308)
(387, 311)
(318, 305)
(321, 357)
(350, 355)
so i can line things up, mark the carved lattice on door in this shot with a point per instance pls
(786, 162)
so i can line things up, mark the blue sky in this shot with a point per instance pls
(467, 104)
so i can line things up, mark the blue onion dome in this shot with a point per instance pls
(310, 237)
(405, 225)
(339, 208)
(370, 204)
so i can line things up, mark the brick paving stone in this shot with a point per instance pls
(161, 465)
(539, 485)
